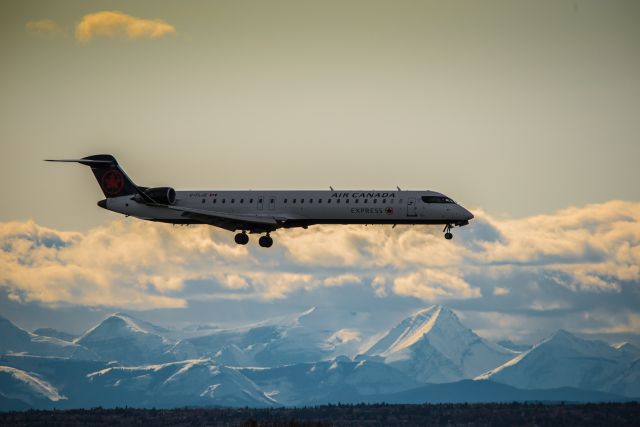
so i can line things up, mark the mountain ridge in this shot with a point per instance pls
(434, 346)
(429, 355)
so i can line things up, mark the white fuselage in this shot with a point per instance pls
(303, 208)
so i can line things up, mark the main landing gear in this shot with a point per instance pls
(242, 238)
(447, 234)
(264, 241)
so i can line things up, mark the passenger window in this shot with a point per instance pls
(224, 200)
(328, 200)
(259, 200)
(272, 201)
(346, 200)
(241, 201)
(233, 200)
(357, 201)
(285, 200)
(250, 200)
(301, 200)
(215, 200)
(202, 200)
(319, 200)
(384, 200)
(375, 200)
(310, 200)
(365, 200)
(294, 200)
(337, 200)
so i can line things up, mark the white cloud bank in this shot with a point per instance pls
(134, 264)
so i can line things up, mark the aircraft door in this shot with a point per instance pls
(411, 206)
(272, 202)
(260, 203)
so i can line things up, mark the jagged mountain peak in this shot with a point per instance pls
(419, 325)
(563, 341)
(119, 324)
(563, 359)
(434, 346)
(126, 339)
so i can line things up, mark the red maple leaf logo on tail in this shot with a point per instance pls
(112, 182)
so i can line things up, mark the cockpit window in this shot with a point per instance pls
(436, 199)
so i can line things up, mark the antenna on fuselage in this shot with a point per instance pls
(331, 188)
(398, 187)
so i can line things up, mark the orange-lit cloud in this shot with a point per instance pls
(45, 28)
(114, 24)
(135, 264)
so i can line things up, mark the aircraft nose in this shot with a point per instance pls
(103, 203)
(467, 215)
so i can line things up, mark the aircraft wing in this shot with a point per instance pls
(229, 221)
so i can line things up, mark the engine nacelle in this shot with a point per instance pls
(162, 195)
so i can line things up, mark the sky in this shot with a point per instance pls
(526, 112)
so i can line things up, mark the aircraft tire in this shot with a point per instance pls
(242, 238)
(265, 241)
(448, 236)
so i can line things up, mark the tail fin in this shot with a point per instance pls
(112, 179)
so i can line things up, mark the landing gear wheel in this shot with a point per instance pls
(447, 230)
(242, 238)
(265, 241)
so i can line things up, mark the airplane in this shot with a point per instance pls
(265, 211)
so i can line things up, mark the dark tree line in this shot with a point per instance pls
(521, 414)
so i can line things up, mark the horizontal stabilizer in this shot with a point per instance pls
(87, 162)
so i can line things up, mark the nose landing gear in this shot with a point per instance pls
(242, 238)
(447, 234)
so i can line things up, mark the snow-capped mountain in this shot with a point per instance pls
(128, 340)
(433, 346)
(340, 379)
(286, 340)
(27, 387)
(16, 340)
(562, 360)
(68, 376)
(291, 360)
(190, 382)
(54, 333)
